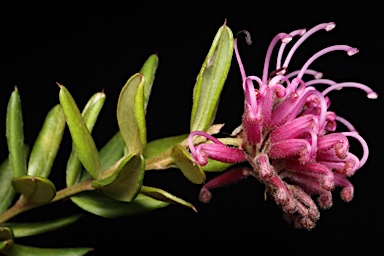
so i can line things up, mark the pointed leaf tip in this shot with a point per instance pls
(90, 114)
(81, 136)
(210, 81)
(15, 135)
(165, 196)
(148, 70)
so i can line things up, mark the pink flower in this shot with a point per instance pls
(288, 135)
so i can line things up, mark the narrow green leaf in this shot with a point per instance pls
(74, 168)
(215, 166)
(23, 250)
(15, 135)
(156, 147)
(7, 192)
(210, 80)
(124, 184)
(187, 165)
(102, 205)
(90, 113)
(165, 196)
(6, 233)
(31, 229)
(109, 154)
(92, 109)
(148, 70)
(131, 114)
(82, 139)
(47, 144)
(35, 190)
(5, 245)
(112, 151)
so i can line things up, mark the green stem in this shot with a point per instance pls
(22, 206)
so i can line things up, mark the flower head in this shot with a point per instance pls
(288, 134)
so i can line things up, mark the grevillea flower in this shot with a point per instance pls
(288, 135)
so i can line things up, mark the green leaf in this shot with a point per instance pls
(210, 80)
(112, 151)
(82, 139)
(22, 250)
(148, 70)
(35, 190)
(6, 233)
(156, 147)
(90, 113)
(215, 166)
(125, 183)
(47, 144)
(187, 165)
(92, 109)
(74, 169)
(102, 205)
(15, 135)
(109, 154)
(165, 196)
(31, 229)
(131, 114)
(7, 192)
(4, 245)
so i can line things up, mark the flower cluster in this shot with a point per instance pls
(288, 135)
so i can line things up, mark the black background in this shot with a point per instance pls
(89, 51)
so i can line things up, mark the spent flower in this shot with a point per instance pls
(288, 134)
